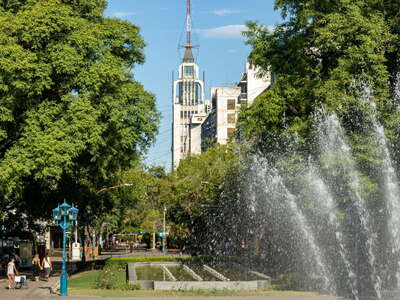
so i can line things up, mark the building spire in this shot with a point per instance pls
(188, 57)
(188, 24)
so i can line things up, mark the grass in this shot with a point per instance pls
(84, 284)
(84, 280)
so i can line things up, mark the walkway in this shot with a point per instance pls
(217, 298)
(17, 295)
(35, 290)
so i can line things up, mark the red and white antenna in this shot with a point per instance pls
(188, 24)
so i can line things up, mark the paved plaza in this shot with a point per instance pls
(35, 290)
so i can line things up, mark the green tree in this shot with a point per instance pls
(148, 190)
(326, 56)
(71, 113)
(321, 51)
(197, 194)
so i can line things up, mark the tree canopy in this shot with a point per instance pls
(71, 112)
(331, 60)
(190, 195)
(321, 51)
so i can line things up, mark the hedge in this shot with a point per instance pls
(189, 259)
(126, 260)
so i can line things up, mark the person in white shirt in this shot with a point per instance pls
(11, 272)
(47, 266)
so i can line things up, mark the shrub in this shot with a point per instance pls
(126, 260)
(195, 259)
(113, 277)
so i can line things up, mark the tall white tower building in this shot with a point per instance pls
(189, 108)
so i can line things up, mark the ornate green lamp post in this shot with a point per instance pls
(64, 216)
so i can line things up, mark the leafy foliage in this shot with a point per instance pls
(327, 57)
(188, 195)
(126, 260)
(319, 54)
(113, 277)
(71, 112)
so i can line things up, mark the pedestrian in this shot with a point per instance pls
(47, 266)
(36, 267)
(11, 272)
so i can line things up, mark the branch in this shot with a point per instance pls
(103, 190)
(293, 109)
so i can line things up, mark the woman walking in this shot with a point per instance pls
(11, 272)
(47, 266)
(36, 267)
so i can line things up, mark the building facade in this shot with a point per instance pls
(189, 109)
(220, 124)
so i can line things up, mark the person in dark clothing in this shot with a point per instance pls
(36, 267)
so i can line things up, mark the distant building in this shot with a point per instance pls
(189, 105)
(220, 124)
(197, 123)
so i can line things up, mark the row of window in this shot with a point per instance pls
(230, 132)
(231, 104)
(188, 114)
(189, 93)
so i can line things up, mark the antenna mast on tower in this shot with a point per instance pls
(188, 24)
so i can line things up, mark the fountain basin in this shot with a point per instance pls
(391, 295)
(162, 280)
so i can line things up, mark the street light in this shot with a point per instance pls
(164, 237)
(64, 215)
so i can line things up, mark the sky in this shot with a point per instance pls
(217, 26)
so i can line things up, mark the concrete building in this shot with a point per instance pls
(189, 105)
(197, 123)
(220, 124)
(226, 108)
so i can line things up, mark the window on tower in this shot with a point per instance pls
(180, 92)
(198, 94)
(188, 71)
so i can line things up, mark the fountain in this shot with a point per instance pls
(332, 142)
(320, 215)
(320, 190)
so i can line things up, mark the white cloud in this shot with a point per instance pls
(227, 32)
(225, 11)
(123, 14)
